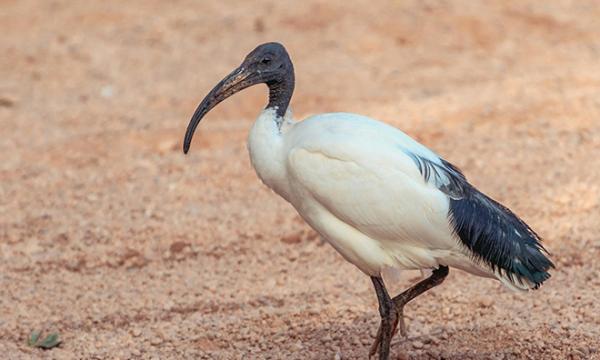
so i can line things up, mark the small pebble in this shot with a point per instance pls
(417, 344)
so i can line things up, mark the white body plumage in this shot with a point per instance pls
(352, 179)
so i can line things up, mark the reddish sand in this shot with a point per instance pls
(112, 237)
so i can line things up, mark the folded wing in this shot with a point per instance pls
(393, 189)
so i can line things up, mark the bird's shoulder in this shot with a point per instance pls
(359, 128)
(377, 147)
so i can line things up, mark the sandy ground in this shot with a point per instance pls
(129, 249)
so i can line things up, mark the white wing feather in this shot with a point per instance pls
(361, 172)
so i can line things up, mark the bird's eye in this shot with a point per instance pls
(265, 61)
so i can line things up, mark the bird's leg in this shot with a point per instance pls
(436, 278)
(389, 320)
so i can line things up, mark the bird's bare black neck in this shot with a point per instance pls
(280, 92)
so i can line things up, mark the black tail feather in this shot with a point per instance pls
(493, 234)
(498, 237)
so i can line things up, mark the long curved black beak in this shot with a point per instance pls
(238, 80)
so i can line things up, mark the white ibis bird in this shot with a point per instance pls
(380, 198)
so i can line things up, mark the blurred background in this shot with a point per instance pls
(114, 239)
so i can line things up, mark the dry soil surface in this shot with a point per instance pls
(112, 237)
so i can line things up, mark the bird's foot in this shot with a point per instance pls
(388, 327)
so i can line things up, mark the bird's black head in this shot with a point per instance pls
(269, 64)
